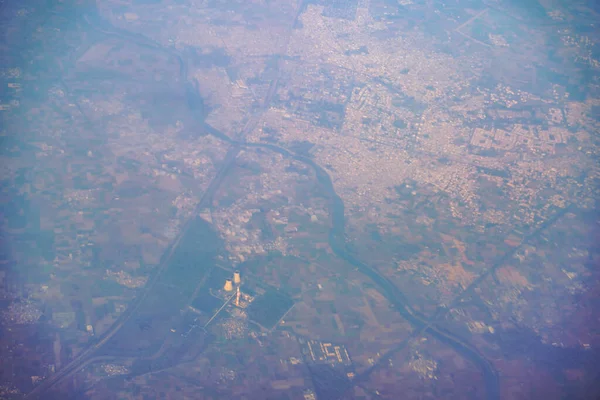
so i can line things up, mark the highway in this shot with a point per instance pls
(81, 359)
(430, 327)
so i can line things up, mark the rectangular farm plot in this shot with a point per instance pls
(269, 308)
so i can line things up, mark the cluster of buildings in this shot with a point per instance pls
(327, 353)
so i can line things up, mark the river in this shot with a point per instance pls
(336, 206)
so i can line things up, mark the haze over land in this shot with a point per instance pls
(407, 189)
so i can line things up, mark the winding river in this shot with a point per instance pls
(336, 208)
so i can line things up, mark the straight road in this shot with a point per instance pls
(78, 362)
(96, 22)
